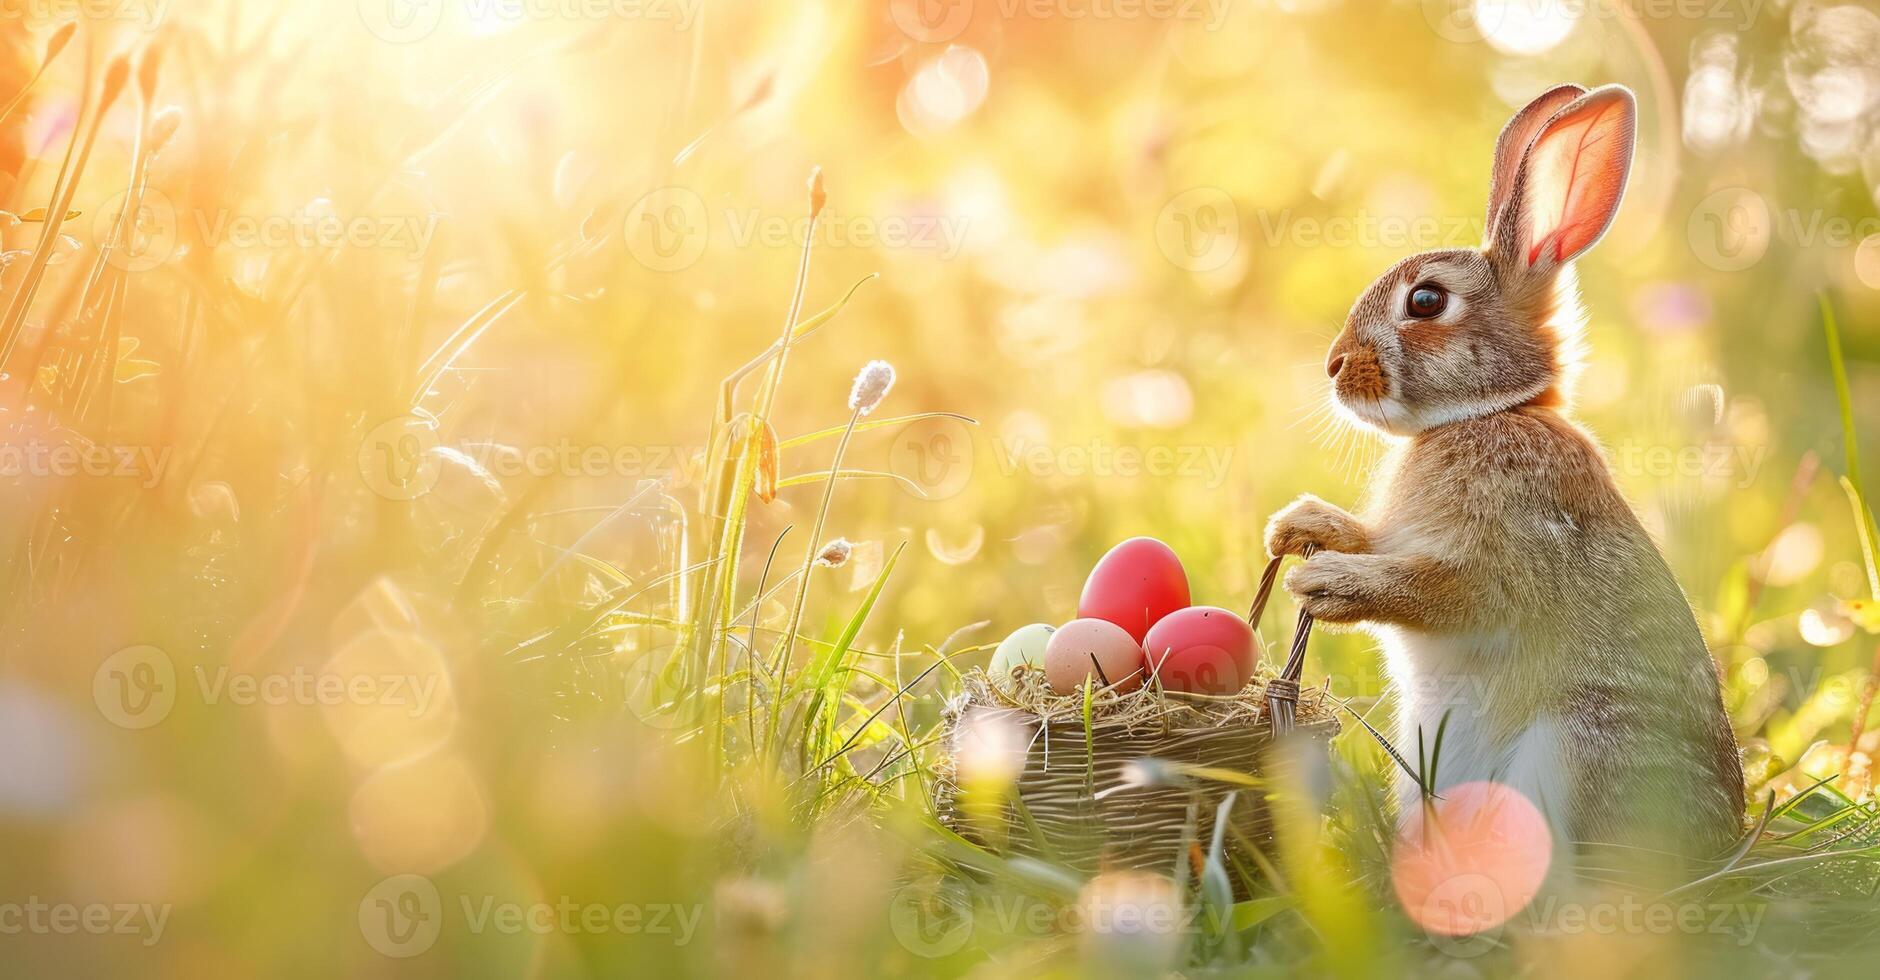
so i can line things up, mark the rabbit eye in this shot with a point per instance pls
(1427, 300)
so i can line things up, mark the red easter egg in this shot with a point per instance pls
(1092, 648)
(1201, 650)
(1137, 583)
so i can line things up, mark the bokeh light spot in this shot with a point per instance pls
(1525, 26)
(419, 817)
(944, 91)
(396, 701)
(1472, 859)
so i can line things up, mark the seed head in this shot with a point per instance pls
(59, 39)
(871, 386)
(817, 196)
(163, 128)
(835, 553)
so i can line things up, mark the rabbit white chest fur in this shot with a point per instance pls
(1438, 690)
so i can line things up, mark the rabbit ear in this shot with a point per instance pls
(1571, 179)
(1515, 138)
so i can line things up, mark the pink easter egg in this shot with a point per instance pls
(1137, 583)
(1201, 650)
(1092, 648)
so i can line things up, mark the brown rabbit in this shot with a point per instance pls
(1510, 583)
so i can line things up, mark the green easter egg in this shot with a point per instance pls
(1025, 646)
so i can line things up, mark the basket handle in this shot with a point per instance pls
(1282, 692)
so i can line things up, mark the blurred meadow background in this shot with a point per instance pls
(407, 487)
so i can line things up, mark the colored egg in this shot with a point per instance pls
(1092, 648)
(1025, 646)
(1201, 650)
(1137, 583)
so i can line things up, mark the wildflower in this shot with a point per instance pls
(817, 196)
(163, 128)
(871, 386)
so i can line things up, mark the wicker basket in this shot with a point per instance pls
(1102, 802)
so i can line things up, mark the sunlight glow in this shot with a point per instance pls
(1525, 26)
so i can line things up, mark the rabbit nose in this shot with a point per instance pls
(1335, 365)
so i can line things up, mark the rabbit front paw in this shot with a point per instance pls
(1311, 522)
(1332, 587)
